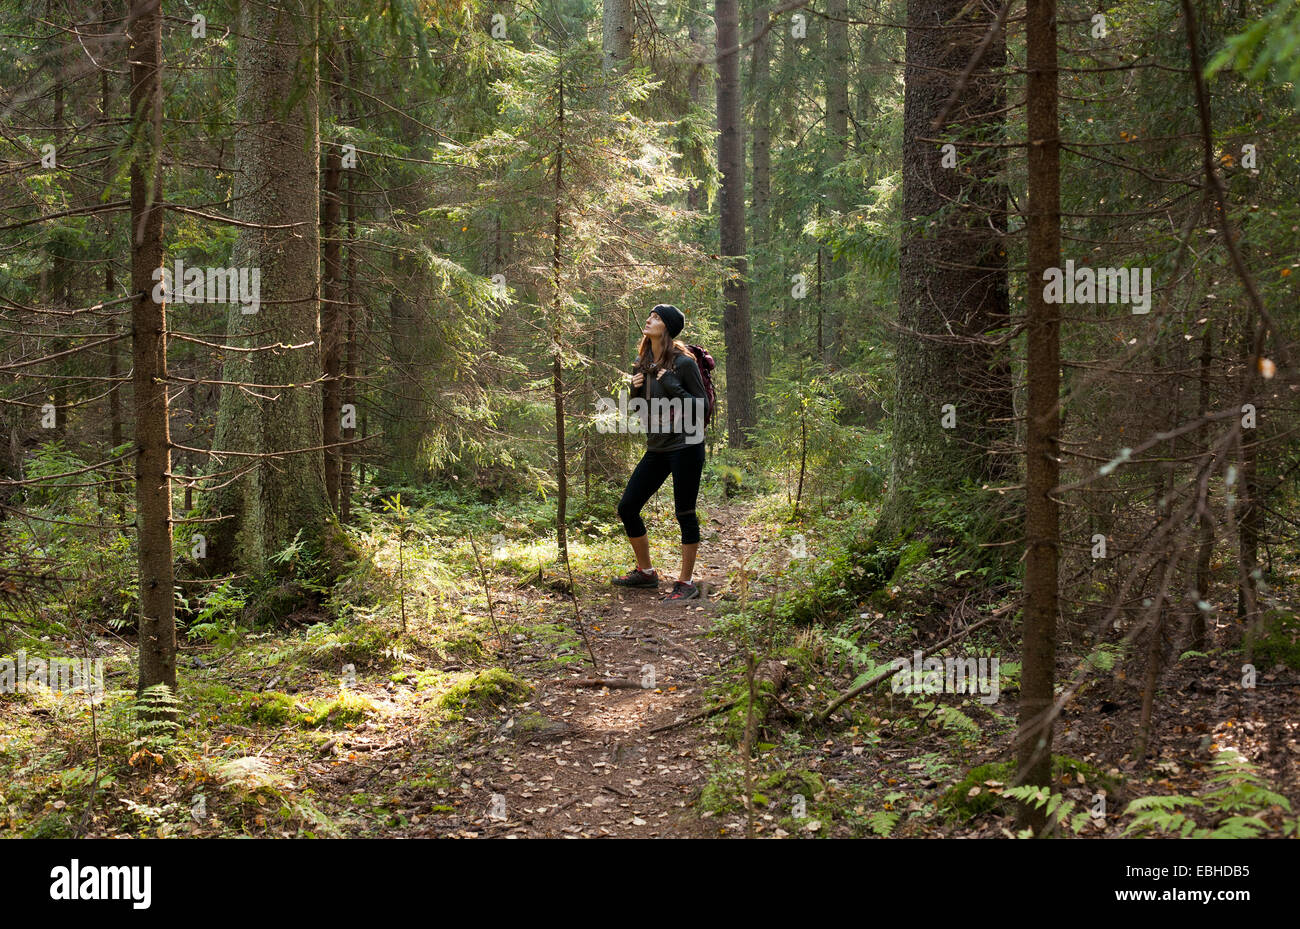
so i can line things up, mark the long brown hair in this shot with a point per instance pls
(645, 353)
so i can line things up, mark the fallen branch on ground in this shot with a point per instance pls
(703, 714)
(769, 672)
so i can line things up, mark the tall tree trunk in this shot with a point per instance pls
(952, 264)
(602, 340)
(790, 47)
(1167, 367)
(332, 310)
(865, 72)
(110, 280)
(821, 305)
(276, 190)
(361, 459)
(1205, 534)
(1250, 505)
(1248, 525)
(1042, 516)
(760, 74)
(350, 365)
(731, 164)
(618, 26)
(149, 346)
(59, 278)
(694, 90)
(557, 339)
(837, 132)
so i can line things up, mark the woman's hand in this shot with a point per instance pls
(663, 369)
(637, 380)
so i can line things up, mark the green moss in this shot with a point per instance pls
(958, 799)
(530, 723)
(270, 708)
(492, 688)
(430, 780)
(912, 555)
(50, 826)
(198, 693)
(273, 605)
(719, 794)
(791, 781)
(348, 707)
(464, 645)
(803, 657)
(340, 553)
(553, 635)
(330, 645)
(429, 679)
(1278, 641)
(560, 643)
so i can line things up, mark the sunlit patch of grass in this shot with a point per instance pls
(484, 691)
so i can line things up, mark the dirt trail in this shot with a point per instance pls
(593, 766)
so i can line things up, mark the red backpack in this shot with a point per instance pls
(706, 365)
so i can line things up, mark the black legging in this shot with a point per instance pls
(685, 465)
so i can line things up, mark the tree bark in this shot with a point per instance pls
(617, 26)
(837, 131)
(557, 339)
(59, 278)
(1205, 534)
(350, 365)
(694, 90)
(276, 187)
(149, 347)
(603, 341)
(760, 75)
(1042, 470)
(952, 264)
(332, 313)
(731, 164)
(110, 281)
(1248, 524)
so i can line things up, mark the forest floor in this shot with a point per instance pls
(580, 759)
(477, 723)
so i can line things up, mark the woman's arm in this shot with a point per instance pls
(685, 382)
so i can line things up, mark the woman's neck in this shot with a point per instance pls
(660, 348)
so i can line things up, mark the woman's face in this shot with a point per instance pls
(654, 326)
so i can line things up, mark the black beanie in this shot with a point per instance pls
(672, 317)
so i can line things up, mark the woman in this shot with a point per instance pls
(668, 379)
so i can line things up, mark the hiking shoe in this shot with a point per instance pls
(638, 578)
(683, 590)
